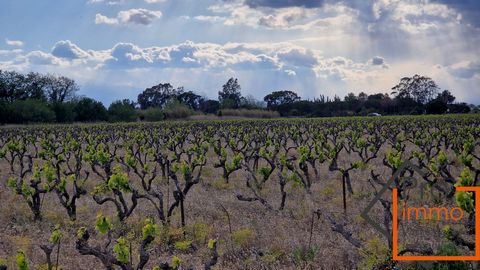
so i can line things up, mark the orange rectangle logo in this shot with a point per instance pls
(397, 257)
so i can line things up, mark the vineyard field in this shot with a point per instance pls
(236, 194)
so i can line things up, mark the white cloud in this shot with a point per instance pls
(282, 65)
(155, 1)
(15, 43)
(413, 17)
(290, 59)
(290, 72)
(139, 16)
(109, 2)
(42, 58)
(209, 18)
(134, 16)
(465, 69)
(286, 17)
(101, 19)
(66, 49)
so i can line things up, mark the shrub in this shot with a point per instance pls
(122, 111)
(458, 108)
(21, 261)
(29, 111)
(198, 232)
(249, 113)
(375, 253)
(90, 110)
(183, 245)
(449, 249)
(64, 112)
(3, 264)
(5, 112)
(176, 110)
(151, 114)
(209, 106)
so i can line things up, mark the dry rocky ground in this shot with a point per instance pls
(261, 238)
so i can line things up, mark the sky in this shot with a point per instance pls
(115, 49)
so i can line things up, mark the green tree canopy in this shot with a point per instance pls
(277, 98)
(230, 95)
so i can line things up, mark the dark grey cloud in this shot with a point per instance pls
(298, 58)
(377, 61)
(465, 70)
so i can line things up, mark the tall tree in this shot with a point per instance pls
(350, 98)
(277, 98)
(446, 97)
(419, 88)
(158, 95)
(16, 86)
(230, 95)
(10, 86)
(60, 89)
(190, 99)
(362, 96)
(35, 85)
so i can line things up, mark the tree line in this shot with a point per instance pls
(36, 97)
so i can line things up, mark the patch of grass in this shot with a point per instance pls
(273, 255)
(327, 191)
(207, 172)
(375, 253)
(168, 235)
(56, 217)
(304, 254)
(198, 232)
(449, 249)
(183, 245)
(22, 242)
(243, 238)
(220, 184)
(361, 195)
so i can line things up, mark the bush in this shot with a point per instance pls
(209, 106)
(198, 232)
(29, 111)
(176, 110)
(5, 112)
(151, 114)
(122, 111)
(249, 113)
(436, 107)
(64, 112)
(90, 110)
(458, 108)
(449, 249)
(375, 253)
